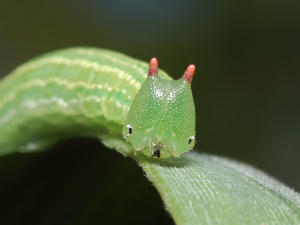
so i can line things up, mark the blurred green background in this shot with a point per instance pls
(246, 92)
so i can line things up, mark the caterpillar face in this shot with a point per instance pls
(161, 119)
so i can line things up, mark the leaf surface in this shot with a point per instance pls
(205, 189)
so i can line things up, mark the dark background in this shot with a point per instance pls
(246, 92)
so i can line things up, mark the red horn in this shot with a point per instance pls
(189, 73)
(153, 67)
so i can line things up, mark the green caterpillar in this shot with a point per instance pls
(98, 93)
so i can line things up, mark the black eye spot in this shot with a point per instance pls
(191, 141)
(130, 130)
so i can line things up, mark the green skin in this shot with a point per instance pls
(162, 118)
(88, 92)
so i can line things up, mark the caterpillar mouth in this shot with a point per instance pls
(157, 148)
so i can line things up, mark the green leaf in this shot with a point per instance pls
(204, 189)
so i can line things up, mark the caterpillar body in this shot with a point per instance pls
(99, 93)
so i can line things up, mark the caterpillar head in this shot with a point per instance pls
(161, 119)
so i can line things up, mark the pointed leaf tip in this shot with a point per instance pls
(189, 73)
(153, 67)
